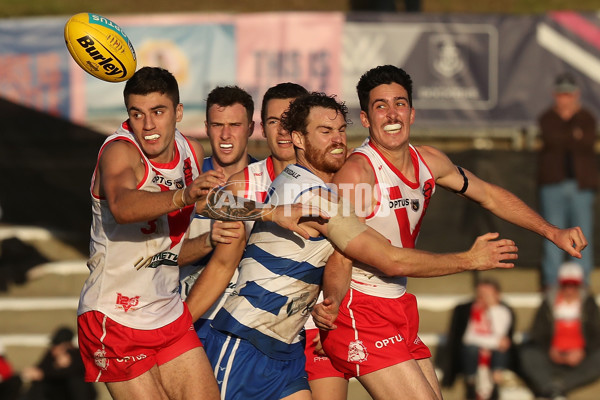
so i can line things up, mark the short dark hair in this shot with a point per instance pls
(490, 282)
(62, 335)
(286, 90)
(296, 117)
(150, 80)
(225, 96)
(382, 75)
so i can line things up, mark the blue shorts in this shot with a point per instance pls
(244, 373)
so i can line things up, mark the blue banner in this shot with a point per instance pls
(200, 55)
(34, 64)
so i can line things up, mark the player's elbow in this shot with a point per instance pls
(122, 218)
(120, 214)
(393, 269)
(386, 265)
(396, 265)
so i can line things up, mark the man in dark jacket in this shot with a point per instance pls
(59, 375)
(480, 337)
(567, 173)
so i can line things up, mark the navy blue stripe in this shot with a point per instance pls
(207, 164)
(300, 270)
(259, 296)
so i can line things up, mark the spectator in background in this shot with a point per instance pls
(563, 349)
(10, 383)
(479, 341)
(60, 373)
(567, 173)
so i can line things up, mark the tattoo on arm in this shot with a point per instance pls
(224, 206)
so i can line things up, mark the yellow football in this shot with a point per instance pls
(100, 47)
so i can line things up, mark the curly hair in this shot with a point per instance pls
(296, 117)
(152, 80)
(382, 75)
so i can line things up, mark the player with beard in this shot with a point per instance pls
(250, 183)
(256, 344)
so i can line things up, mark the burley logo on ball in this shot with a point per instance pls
(100, 47)
(101, 57)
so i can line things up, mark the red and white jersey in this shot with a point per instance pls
(134, 275)
(258, 177)
(397, 214)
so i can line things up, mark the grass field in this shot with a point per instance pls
(20, 8)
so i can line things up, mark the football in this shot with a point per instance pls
(100, 47)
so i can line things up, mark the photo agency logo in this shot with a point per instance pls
(345, 199)
(223, 204)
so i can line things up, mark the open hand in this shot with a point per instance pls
(487, 253)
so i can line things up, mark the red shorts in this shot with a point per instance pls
(113, 353)
(374, 333)
(317, 365)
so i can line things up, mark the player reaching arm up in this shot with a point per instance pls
(500, 201)
(390, 183)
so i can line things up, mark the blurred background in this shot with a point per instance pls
(482, 72)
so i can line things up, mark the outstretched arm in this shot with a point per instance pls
(487, 252)
(223, 205)
(216, 275)
(358, 241)
(372, 248)
(501, 202)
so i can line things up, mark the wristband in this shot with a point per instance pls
(179, 203)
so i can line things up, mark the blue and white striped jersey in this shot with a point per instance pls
(280, 276)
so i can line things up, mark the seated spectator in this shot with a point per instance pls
(479, 343)
(59, 375)
(10, 383)
(563, 349)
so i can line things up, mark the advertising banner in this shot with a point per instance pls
(303, 48)
(473, 71)
(469, 71)
(34, 64)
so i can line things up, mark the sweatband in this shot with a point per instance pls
(179, 203)
(465, 180)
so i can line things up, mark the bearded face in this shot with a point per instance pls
(326, 160)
